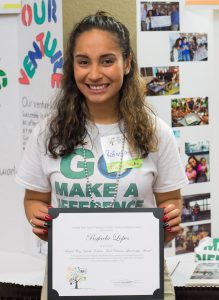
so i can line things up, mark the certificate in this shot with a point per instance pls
(105, 254)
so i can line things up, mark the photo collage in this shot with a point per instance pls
(190, 112)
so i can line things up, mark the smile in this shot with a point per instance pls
(97, 87)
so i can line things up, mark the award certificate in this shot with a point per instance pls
(105, 254)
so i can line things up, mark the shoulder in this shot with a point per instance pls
(162, 128)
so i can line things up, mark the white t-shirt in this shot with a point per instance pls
(160, 172)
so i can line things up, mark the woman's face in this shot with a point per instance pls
(193, 162)
(99, 67)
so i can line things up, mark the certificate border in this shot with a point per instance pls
(158, 213)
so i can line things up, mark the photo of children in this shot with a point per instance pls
(188, 47)
(197, 166)
(189, 111)
(196, 208)
(190, 237)
(161, 80)
(160, 16)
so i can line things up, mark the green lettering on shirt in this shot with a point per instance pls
(76, 190)
(132, 190)
(66, 163)
(61, 190)
(109, 189)
(94, 190)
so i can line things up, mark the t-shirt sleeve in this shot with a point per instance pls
(170, 172)
(30, 173)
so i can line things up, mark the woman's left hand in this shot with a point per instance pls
(171, 221)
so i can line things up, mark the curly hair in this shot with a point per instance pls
(67, 125)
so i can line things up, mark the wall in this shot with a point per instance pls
(73, 11)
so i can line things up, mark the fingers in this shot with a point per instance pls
(172, 219)
(40, 222)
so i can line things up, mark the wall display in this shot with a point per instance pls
(196, 207)
(161, 80)
(189, 112)
(40, 60)
(160, 16)
(188, 47)
(31, 62)
(190, 237)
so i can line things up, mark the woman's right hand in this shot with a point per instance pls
(40, 222)
(36, 208)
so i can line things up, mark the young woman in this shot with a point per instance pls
(102, 101)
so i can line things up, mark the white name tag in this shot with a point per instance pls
(112, 146)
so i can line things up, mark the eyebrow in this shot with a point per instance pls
(102, 56)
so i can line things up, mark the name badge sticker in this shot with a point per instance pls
(112, 151)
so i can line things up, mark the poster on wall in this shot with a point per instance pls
(186, 47)
(160, 16)
(183, 100)
(10, 6)
(40, 64)
(40, 61)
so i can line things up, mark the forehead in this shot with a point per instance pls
(95, 41)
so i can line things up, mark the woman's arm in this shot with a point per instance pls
(36, 206)
(172, 204)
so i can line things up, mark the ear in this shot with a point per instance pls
(128, 64)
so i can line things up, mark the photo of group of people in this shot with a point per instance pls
(189, 112)
(197, 165)
(196, 207)
(161, 80)
(188, 47)
(160, 16)
(190, 237)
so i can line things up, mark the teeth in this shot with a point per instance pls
(97, 87)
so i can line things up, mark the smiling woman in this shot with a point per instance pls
(101, 109)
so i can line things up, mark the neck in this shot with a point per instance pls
(103, 114)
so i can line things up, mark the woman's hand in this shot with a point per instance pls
(171, 202)
(36, 208)
(172, 220)
(40, 221)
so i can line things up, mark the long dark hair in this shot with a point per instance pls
(67, 127)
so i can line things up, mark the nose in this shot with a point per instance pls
(95, 72)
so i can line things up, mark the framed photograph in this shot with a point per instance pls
(161, 81)
(187, 47)
(197, 167)
(160, 16)
(112, 253)
(196, 208)
(190, 236)
(189, 112)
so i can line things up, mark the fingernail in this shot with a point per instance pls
(48, 218)
(50, 206)
(169, 229)
(46, 224)
(165, 225)
(45, 230)
(165, 218)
